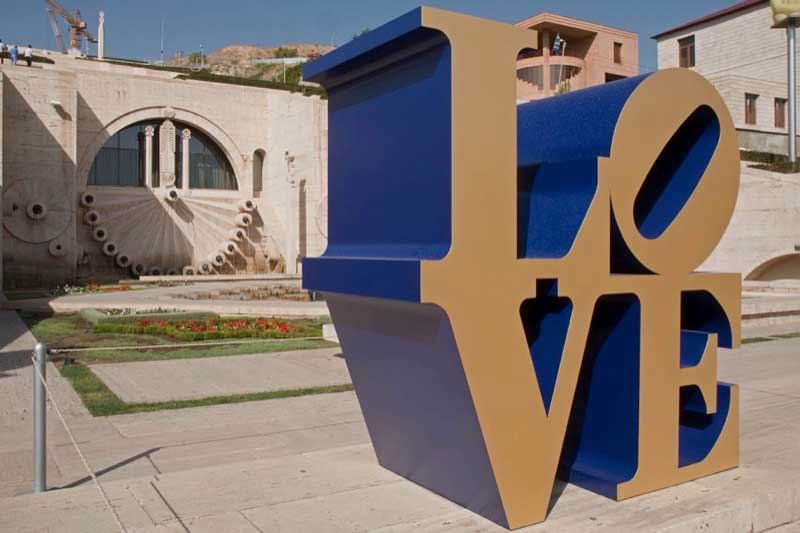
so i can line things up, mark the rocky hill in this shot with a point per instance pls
(236, 60)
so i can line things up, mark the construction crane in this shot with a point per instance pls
(77, 27)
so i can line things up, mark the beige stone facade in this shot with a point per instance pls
(593, 55)
(740, 54)
(761, 241)
(59, 228)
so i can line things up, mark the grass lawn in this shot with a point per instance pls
(13, 296)
(101, 401)
(71, 331)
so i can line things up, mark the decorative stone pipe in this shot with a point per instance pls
(155, 271)
(88, 199)
(56, 248)
(110, 249)
(172, 272)
(230, 248)
(92, 218)
(243, 220)
(123, 260)
(138, 269)
(237, 234)
(171, 195)
(100, 234)
(188, 271)
(205, 268)
(246, 206)
(217, 259)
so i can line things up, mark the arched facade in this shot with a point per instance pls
(132, 157)
(156, 115)
(784, 267)
(86, 223)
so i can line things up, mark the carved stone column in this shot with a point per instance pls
(292, 225)
(149, 131)
(166, 141)
(186, 134)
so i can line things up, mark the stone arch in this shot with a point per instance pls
(782, 267)
(214, 132)
(259, 160)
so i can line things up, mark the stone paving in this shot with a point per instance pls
(305, 465)
(176, 298)
(185, 379)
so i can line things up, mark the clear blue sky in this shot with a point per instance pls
(133, 27)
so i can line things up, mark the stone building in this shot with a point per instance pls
(745, 59)
(591, 54)
(110, 171)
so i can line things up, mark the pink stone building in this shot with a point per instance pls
(592, 55)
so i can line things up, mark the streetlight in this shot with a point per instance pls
(786, 14)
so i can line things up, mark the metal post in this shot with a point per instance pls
(39, 418)
(790, 40)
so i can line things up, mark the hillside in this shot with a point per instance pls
(236, 60)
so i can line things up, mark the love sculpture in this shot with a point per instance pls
(514, 286)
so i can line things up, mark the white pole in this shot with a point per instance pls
(790, 39)
(561, 66)
(39, 418)
(162, 40)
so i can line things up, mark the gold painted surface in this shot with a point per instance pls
(481, 283)
(783, 9)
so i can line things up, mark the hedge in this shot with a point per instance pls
(97, 317)
(193, 336)
(250, 82)
(34, 59)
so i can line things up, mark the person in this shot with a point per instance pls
(14, 52)
(28, 54)
(2, 49)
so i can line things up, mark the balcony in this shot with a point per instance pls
(566, 73)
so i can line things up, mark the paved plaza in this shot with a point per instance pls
(181, 379)
(187, 297)
(306, 464)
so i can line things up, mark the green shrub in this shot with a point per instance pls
(286, 52)
(251, 82)
(34, 59)
(770, 162)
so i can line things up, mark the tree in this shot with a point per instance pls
(286, 52)
(361, 33)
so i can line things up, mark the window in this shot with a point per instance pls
(750, 108)
(618, 53)
(780, 112)
(686, 52)
(208, 166)
(121, 161)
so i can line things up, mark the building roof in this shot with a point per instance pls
(713, 16)
(552, 19)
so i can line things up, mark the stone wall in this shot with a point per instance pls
(39, 112)
(764, 224)
(56, 119)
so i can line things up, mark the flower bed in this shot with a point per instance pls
(131, 317)
(214, 328)
(70, 290)
(94, 287)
